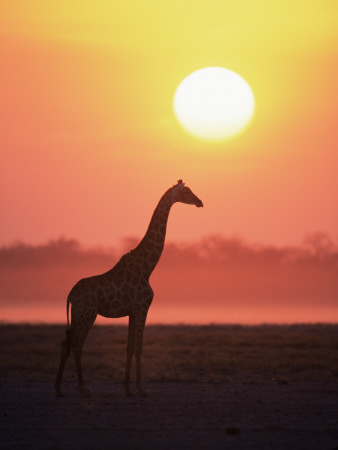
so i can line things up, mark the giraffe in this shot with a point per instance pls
(122, 291)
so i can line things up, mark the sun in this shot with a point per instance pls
(214, 104)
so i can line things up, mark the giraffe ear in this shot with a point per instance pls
(177, 187)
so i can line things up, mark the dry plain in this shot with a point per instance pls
(235, 387)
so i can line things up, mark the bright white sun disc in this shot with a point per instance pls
(214, 103)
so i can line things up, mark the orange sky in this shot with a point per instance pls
(89, 141)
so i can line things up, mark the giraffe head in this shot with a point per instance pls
(181, 193)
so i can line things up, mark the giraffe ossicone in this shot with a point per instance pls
(122, 291)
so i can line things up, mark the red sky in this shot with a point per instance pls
(89, 141)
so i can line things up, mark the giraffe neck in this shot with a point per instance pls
(151, 246)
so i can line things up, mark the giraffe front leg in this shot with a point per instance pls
(130, 352)
(139, 328)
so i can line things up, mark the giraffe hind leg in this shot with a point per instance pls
(79, 334)
(65, 350)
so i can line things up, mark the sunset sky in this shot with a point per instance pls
(89, 140)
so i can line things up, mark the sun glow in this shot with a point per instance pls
(214, 103)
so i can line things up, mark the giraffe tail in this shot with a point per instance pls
(68, 301)
(68, 331)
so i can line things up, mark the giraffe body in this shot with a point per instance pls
(122, 291)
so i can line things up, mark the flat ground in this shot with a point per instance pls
(264, 387)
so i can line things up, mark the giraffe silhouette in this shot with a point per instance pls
(122, 291)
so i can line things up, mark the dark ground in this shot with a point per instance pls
(279, 392)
